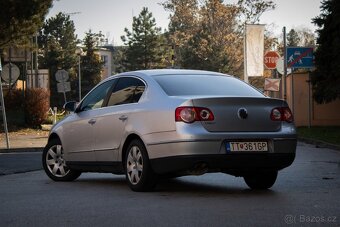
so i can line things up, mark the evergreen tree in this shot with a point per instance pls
(326, 78)
(91, 63)
(20, 20)
(57, 42)
(143, 50)
(293, 38)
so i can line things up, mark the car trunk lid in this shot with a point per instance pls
(240, 114)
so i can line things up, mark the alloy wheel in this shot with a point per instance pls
(55, 161)
(134, 165)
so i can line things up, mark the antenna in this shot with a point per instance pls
(72, 13)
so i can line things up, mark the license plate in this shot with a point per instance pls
(246, 146)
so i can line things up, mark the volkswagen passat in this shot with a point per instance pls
(160, 123)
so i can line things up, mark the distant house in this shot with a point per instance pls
(106, 54)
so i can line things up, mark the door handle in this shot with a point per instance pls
(123, 118)
(92, 121)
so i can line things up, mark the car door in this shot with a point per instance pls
(110, 126)
(79, 131)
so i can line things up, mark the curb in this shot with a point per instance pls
(319, 143)
(27, 149)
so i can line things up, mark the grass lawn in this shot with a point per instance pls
(329, 134)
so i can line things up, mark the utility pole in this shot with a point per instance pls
(3, 108)
(284, 65)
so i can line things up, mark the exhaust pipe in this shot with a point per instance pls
(199, 169)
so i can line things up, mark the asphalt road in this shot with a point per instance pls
(305, 194)
(19, 162)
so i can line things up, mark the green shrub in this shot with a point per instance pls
(37, 103)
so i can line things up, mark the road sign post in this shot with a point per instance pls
(299, 57)
(270, 59)
(63, 86)
(3, 109)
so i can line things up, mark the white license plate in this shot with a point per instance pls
(246, 146)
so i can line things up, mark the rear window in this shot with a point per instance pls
(206, 85)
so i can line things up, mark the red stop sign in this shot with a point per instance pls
(270, 59)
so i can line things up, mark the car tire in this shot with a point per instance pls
(54, 163)
(138, 171)
(261, 180)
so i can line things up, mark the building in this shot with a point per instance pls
(106, 55)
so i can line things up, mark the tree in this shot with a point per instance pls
(252, 10)
(326, 78)
(91, 63)
(143, 42)
(293, 38)
(301, 37)
(216, 44)
(208, 34)
(20, 20)
(57, 43)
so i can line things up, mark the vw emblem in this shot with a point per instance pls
(242, 113)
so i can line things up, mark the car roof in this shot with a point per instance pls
(161, 72)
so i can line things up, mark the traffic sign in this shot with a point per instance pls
(64, 87)
(299, 57)
(61, 75)
(270, 59)
(15, 73)
(280, 67)
(272, 84)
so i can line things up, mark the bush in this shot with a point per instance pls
(14, 103)
(36, 106)
(14, 99)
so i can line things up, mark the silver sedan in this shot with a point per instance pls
(167, 123)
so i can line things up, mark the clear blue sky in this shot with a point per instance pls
(112, 16)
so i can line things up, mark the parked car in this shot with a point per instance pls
(160, 123)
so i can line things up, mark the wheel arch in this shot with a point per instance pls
(53, 136)
(128, 139)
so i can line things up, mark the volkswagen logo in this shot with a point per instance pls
(242, 113)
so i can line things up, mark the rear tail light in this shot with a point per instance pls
(281, 114)
(191, 114)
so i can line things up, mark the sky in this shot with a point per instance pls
(112, 16)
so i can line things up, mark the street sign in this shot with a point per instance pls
(272, 84)
(299, 57)
(270, 59)
(61, 75)
(15, 73)
(64, 87)
(280, 67)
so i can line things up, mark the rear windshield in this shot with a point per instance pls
(206, 85)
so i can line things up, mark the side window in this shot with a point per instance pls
(127, 90)
(96, 98)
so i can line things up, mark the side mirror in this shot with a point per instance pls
(70, 106)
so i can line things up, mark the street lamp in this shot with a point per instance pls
(79, 52)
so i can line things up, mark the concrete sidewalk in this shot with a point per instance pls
(23, 143)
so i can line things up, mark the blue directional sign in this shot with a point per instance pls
(299, 57)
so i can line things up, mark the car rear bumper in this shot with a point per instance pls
(237, 164)
(215, 146)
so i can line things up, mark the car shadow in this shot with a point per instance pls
(200, 187)
(187, 186)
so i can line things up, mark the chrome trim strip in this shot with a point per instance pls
(75, 152)
(213, 140)
(184, 141)
(274, 139)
